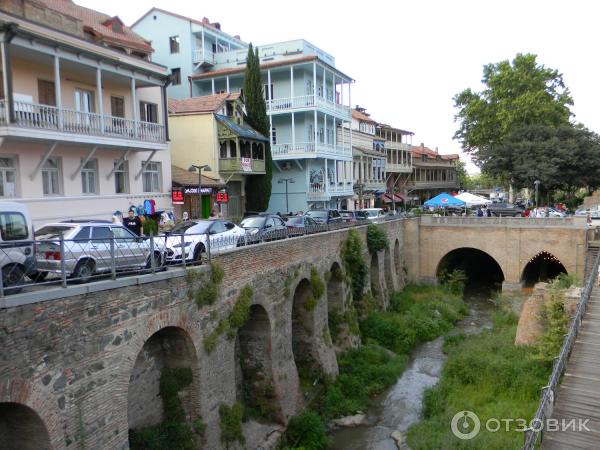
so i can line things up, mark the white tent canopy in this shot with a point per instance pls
(472, 199)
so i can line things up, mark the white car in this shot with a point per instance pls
(189, 239)
(374, 213)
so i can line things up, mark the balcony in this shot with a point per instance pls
(75, 125)
(398, 168)
(433, 184)
(320, 192)
(242, 165)
(303, 102)
(203, 57)
(310, 150)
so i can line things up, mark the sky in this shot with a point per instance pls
(409, 59)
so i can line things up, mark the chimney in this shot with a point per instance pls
(422, 147)
(217, 25)
(205, 21)
(237, 36)
(436, 151)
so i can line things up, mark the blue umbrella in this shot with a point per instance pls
(444, 200)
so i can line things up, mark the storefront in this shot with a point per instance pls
(186, 198)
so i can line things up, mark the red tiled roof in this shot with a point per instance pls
(203, 104)
(419, 150)
(241, 68)
(361, 116)
(99, 25)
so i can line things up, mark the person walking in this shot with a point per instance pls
(133, 223)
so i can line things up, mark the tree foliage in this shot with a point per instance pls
(517, 94)
(258, 187)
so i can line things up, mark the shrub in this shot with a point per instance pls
(354, 264)
(377, 240)
(317, 284)
(231, 423)
(454, 281)
(150, 227)
(306, 431)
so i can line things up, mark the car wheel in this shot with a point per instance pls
(157, 261)
(13, 279)
(198, 250)
(38, 276)
(84, 270)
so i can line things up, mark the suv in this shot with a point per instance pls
(263, 227)
(374, 213)
(88, 249)
(325, 216)
(505, 210)
(16, 245)
(353, 216)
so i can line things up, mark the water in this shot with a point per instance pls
(400, 406)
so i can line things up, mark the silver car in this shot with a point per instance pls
(92, 248)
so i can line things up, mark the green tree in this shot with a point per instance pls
(258, 187)
(517, 94)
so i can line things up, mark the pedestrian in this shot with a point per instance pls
(185, 217)
(133, 223)
(213, 215)
(479, 212)
(488, 212)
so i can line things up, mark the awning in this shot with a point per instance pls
(391, 198)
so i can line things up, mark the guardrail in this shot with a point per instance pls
(32, 265)
(519, 222)
(534, 434)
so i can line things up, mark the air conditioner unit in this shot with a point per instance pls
(286, 165)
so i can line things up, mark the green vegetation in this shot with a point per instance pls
(236, 319)
(205, 290)
(354, 264)
(377, 240)
(317, 284)
(554, 318)
(174, 431)
(454, 281)
(489, 375)
(307, 431)
(150, 227)
(231, 424)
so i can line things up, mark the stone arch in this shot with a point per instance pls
(398, 262)
(169, 347)
(375, 279)
(254, 376)
(21, 428)
(481, 269)
(389, 276)
(303, 330)
(543, 266)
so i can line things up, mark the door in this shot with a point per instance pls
(84, 106)
(129, 251)
(99, 248)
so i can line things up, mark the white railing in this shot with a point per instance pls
(310, 149)
(307, 101)
(200, 56)
(32, 115)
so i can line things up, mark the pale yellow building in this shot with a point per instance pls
(210, 130)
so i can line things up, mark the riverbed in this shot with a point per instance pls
(400, 406)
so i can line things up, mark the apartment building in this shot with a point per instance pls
(82, 113)
(398, 165)
(308, 99)
(432, 174)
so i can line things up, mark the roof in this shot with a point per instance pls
(358, 115)
(201, 104)
(184, 177)
(420, 150)
(205, 22)
(241, 130)
(399, 130)
(269, 65)
(98, 25)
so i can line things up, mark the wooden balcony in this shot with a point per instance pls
(242, 165)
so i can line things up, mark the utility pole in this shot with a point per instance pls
(286, 181)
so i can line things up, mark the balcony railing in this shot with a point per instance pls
(45, 117)
(318, 191)
(307, 101)
(200, 56)
(309, 150)
(237, 165)
(406, 168)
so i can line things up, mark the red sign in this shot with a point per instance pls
(177, 197)
(222, 197)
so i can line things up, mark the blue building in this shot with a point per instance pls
(308, 102)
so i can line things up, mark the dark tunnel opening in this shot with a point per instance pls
(484, 274)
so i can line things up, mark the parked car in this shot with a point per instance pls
(88, 250)
(505, 210)
(374, 213)
(16, 244)
(553, 212)
(263, 227)
(189, 239)
(325, 216)
(299, 225)
(353, 216)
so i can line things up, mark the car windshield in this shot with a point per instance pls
(52, 231)
(253, 222)
(317, 214)
(371, 212)
(199, 227)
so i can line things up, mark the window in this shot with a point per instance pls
(174, 44)
(151, 177)
(84, 101)
(8, 176)
(148, 112)
(51, 176)
(176, 76)
(13, 226)
(274, 135)
(268, 91)
(117, 106)
(123, 234)
(121, 177)
(308, 90)
(46, 93)
(83, 234)
(89, 176)
(101, 234)
(217, 228)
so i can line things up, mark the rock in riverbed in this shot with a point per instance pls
(348, 421)
(398, 438)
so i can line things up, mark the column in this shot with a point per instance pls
(349, 94)
(315, 83)
(326, 177)
(293, 130)
(203, 44)
(270, 91)
(57, 91)
(334, 134)
(292, 84)
(134, 109)
(227, 82)
(325, 129)
(212, 82)
(324, 85)
(315, 130)
(99, 101)
(342, 92)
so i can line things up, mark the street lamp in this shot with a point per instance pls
(537, 185)
(193, 168)
(286, 181)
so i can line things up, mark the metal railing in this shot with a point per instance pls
(298, 148)
(32, 115)
(307, 101)
(534, 434)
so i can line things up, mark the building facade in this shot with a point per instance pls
(82, 113)
(210, 131)
(399, 166)
(432, 174)
(308, 100)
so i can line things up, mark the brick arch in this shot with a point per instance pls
(303, 328)
(22, 428)
(494, 253)
(533, 269)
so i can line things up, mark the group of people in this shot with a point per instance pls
(539, 212)
(483, 211)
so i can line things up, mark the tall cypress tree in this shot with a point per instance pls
(258, 187)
